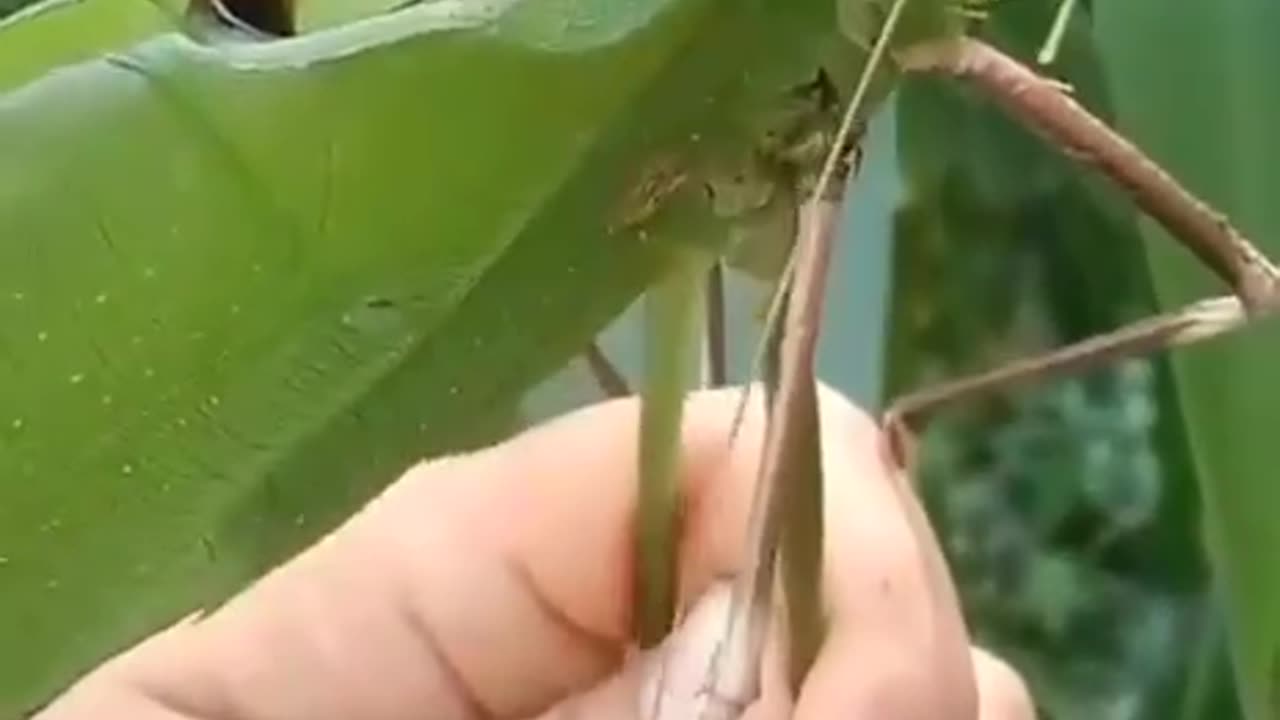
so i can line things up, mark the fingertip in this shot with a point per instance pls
(854, 421)
(1002, 693)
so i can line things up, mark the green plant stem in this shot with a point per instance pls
(673, 314)
(1053, 42)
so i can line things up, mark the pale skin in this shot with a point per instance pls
(497, 585)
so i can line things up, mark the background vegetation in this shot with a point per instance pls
(1071, 512)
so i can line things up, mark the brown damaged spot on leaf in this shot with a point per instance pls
(659, 180)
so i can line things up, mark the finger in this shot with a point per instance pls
(897, 648)
(492, 584)
(1002, 693)
(485, 585)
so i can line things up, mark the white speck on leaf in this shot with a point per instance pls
(100, 298)
(17, 423)
(127, 469)
(42, 336)
(76, 378)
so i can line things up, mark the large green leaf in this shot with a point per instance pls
(315, 14)
(1195, 85)
(48, 34)
(242, 286)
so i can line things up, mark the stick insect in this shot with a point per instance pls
(788, 497)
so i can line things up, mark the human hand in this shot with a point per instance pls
(498, 585)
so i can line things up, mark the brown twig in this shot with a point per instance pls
(607, 375)
(793, 430)
(1055, 115)
(799, 470)
(791, 444)
(1192, 323)
(717, 374)
(760, 358)
(790, 482)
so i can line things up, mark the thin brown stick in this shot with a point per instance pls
(607, 375)
(791, 438)
(793, 426)
(1195, 322)
(772, 318)
(1056, 116)
(717, 334)
(799, 472)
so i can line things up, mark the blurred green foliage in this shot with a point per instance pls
(1068, 510)
(1195, 85)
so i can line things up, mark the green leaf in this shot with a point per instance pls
(922, 20)
(243, 286)
(52, 33)
(1195, 86)
(316, 14)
